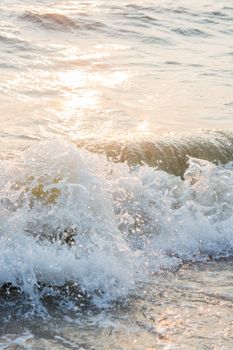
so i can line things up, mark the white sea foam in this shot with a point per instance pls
(127, 223)
(13, 341)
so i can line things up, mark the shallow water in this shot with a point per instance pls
(175, 311)
(116, 158)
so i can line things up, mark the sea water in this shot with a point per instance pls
(116, 173)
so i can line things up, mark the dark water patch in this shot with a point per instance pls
(194, 65)
(145, 38)
(208, 21)
(221, 16)
(213, 74)
(7, 65)
(192, 32)
(216, 14)
(141, 14)
(143, 7)
(157, 40)
(181, 11)
(173, 63)
(14, 43)
(156, 9)
(142, 20)
(50, 297)
(129, 17)
(8, 135)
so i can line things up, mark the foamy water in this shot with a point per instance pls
(116, 175)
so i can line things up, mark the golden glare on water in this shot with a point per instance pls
(143, 127)
(73, 79)
(80, 90)
(87, 99)
(114, 78)
(84, 95)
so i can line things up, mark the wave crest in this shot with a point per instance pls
(124, 222)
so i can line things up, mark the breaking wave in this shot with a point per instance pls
(169, 153)
(73, 218)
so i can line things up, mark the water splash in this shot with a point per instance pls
(121, 223)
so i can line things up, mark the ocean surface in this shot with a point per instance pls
(116, 174)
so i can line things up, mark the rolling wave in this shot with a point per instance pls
(70, 217)
(169, 153)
